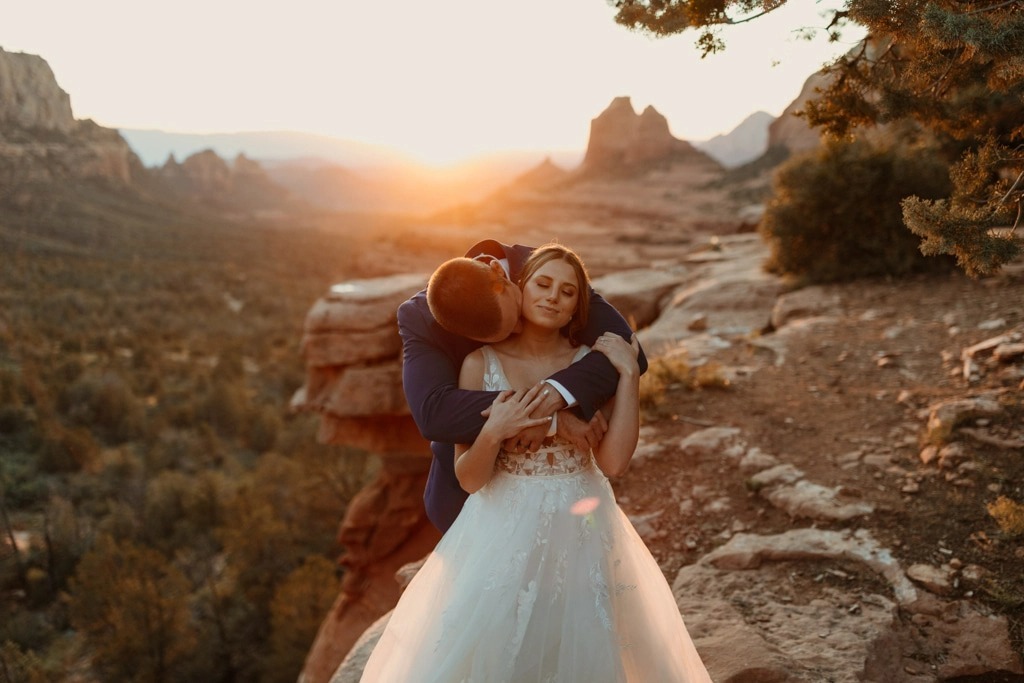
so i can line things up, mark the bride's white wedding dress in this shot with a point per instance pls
(541, 579)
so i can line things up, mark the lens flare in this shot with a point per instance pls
(585, 506)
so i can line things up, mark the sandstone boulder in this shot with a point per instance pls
(638, 294)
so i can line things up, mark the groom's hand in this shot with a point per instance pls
(531, 439)
(584, 435)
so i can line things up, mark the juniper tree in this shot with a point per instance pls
(955, 69)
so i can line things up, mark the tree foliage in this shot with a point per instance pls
(132, 605)
(18, 666)
(299, 606)
(954, 69)
(135, 405)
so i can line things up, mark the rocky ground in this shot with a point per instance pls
(819, 502)
(811, 533)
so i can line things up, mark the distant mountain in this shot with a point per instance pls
(48, 157)
(744, 143)
(346, 175)
(155, 146)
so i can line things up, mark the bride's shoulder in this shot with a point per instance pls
(472, 372)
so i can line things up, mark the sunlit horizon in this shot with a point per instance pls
(441, 82)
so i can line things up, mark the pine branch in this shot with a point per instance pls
(837, 17)
(1012, 188)
(734, 22)
(935, 89)
(992, 8)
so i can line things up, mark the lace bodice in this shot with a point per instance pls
(556, 456)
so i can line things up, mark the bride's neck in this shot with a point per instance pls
(538, 341)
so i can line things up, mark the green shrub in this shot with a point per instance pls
(14, 419)
(68, 539)
(22, 665)
(661, 375)
(835, 213)
(674, 372)
(225, 408)
(105, 402)
(300, 603)
(66, 449)
(263, 428)
(27, 629)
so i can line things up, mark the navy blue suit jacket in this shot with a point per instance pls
(446, 415)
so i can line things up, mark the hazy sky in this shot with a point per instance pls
(441, 79)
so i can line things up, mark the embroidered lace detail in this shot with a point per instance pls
(556, 460)
(556, 457)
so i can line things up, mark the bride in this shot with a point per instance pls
(541, 579)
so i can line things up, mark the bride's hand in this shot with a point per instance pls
(622, 354)
(510, 412)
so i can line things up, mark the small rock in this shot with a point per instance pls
(946, 416)
(993, 324)
(643, 524)
(646, 451)
(877, 460)
(699, 323)
(851, 457)
(951, 455)
(968, 467)
(708, 442)
(1007, 352)
(781, 474)
(934, 579)
(928, 454)
(756, 460)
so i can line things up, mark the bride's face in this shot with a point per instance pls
(550, 295)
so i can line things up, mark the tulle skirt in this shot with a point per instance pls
(541, 579)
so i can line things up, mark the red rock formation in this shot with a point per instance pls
(354, 383)
(40, 140)
(622, 141)
(29, 95)
(792, 132)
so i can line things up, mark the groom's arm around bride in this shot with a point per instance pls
(445, 414)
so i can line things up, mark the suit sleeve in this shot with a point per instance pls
(592, 379)
(430, 378)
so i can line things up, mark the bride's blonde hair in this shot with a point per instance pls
(559, 252)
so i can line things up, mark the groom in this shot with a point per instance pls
(432, 357)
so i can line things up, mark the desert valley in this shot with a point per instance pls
(207, 470)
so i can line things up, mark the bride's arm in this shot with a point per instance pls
(616, 448)
(510, 413)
